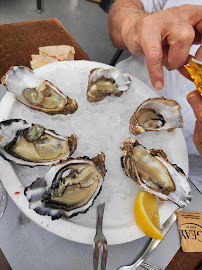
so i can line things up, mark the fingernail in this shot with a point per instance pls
(158, 85)
(191, 97)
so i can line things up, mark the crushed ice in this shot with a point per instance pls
(100, 127)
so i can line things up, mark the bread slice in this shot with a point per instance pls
(60, 52)
(40, 60)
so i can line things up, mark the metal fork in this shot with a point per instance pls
(100, 240)
(152, 245)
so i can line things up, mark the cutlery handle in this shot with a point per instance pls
(100, 213)
(150, 266)
(152, 245)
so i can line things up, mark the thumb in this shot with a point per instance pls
(195, 100)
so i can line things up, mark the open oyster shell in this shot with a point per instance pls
(37, 94)
(156, 114)
(194, 68)
(104, 82)
(69, 188)
(33, 145)
(151, 169)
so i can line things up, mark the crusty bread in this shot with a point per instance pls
(40, 60)
(60, 52)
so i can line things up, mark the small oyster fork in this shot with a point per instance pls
(100, 240)
(3, 199)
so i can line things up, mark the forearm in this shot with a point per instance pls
(120, 11)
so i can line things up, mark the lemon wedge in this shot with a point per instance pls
(147, 215)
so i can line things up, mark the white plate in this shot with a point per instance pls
(119, 191)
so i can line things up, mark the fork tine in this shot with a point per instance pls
(95, 256)
(104, 256)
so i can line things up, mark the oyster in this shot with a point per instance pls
(69, 188)
(104, 82)
(151, 169)
(194, 68)
(156, 114)
(37, 94)
(33, 145)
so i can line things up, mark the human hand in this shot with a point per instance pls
(195, 100)
(165, 37)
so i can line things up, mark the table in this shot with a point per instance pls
(21, 246)
(20, 40)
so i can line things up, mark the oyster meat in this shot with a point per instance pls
(156, 114)
(151, 169)
(69, 188)
(33, 145)
(37, 94)
(104, 82)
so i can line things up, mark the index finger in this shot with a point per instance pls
(152, 47)
(195, 100)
